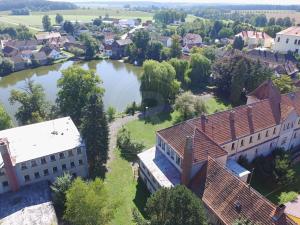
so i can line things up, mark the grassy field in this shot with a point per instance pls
(124, 190)
(144, 130)
(84, 15)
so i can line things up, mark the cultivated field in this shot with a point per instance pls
(34, 21)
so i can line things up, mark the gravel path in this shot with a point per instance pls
(114, 127)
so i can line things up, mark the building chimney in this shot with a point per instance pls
(187, 162)
(250, 118)
(8, 164)
(278, 212)
(203, 121)
(232, 124)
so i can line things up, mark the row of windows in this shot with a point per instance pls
(37, 175)
(170, 152)
(288, 126)
(251, 139)
(296, 42)
(62, 155)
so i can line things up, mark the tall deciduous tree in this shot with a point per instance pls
(68, 27)
(59, 189)
(46, 23)
(176, 47)
(33, 105)
(75, 87)
(59, 18)
(175, 206)
(158, 83)
(88, 203)
(5, 120)
(90, 44)
(199, 71)
(180, 67)
(238, 43)
(153, 50)
(94, 130)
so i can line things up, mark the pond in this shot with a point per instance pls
(120, 80)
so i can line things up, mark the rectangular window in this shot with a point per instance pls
(23, 166)
(37, 175)
(278, 39)
(70, 153)
(258, 137)
(5, 184)
(295, 42)
(2, 173)
(267, 133)
(242, 143)
(43, 160)
(64, 167)
(284, 141)
(52, 157)
(295, 135)
(80, 162)
(251, 140)
(178, 161)
(172, 154)
(46, 172)
(168, 151)
(232, 146)
(54, 169)
(27, 178)
(72, 164)
(163, 146)
(61, 155)
(274, 131)
(159, 142)
(79, 151)
(287, 40)
(33, 163)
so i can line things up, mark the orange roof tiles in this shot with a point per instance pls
(230, 198)
(295, 31)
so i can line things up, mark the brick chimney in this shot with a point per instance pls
(187, 161)
(278, 212)
(203, 121)
(250, 118)
(8, 164)
(232, 124)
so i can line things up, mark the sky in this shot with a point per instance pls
(271, 2)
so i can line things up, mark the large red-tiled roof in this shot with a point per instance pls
(230, 198)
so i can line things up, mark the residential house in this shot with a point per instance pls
(43, 37)
(192, 40)
(51, 53)
(118, 48)
(202, 154)
(22, 45)
(39, 58)
(128, 23)
(255, 38)
(52, 148)
(107, 50)
(69, 45)
(20, 63)
(166, 41)
(10, 51)
(288, 40)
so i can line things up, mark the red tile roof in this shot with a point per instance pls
(231, 198)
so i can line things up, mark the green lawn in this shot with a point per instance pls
(85, 15)
(272, 191)
(144, 130)
(124, 190)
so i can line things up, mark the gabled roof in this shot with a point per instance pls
(230, 198)
(47, 35)
(124, 42)
(203, 146)
(294, 31)
(254, 34)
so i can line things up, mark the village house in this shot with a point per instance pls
(118, 48)
(39, 152)
(192, 40)
(166, 41)
(19, 62)
(51, 53)
(69, 45)
(255, 38)
(288, 40)
(39, 59)
(202, 154)
(22, 45)
(43, 37)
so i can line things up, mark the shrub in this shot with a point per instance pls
(129, 148)
(111, 114)
(287, 197)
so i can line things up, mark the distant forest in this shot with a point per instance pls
(36, 5)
